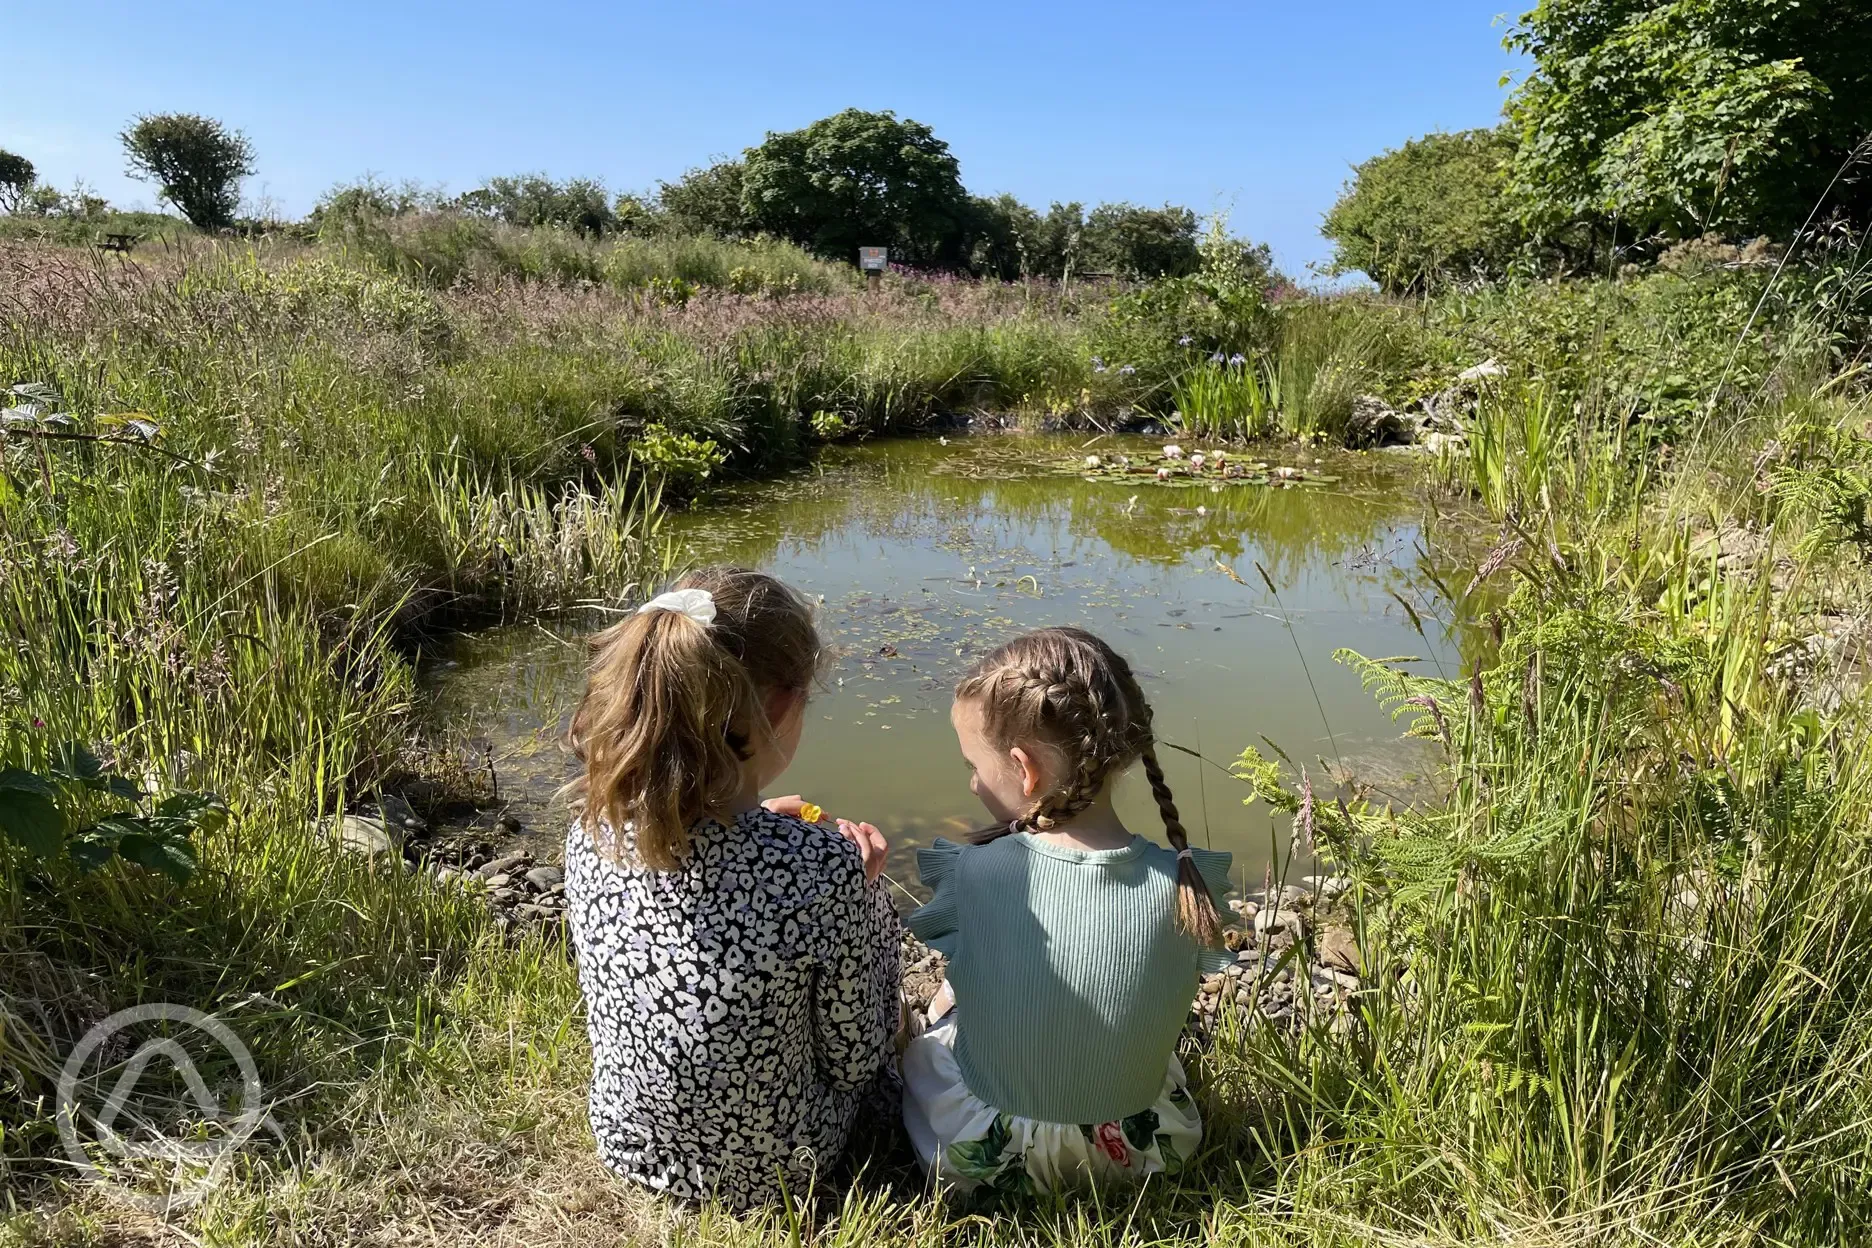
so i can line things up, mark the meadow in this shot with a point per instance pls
(1612, 986)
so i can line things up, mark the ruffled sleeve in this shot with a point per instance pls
(935, 923)
(1213, 865)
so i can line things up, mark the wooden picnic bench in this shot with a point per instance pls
(117, 242)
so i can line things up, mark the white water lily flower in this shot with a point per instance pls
(1173, 451)
(1196, 460)
(1092, 461)
(1163, 474)
(1202, 511)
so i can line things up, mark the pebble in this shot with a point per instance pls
(503, 896)
(543, 878)
(499, 883)
(508, 823)
(501, 866)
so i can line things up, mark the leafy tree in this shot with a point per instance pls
(533, 199)
(16, 179)
(1433, 211)
(1142, 242)
(197, 163)
(706, 201)
(857, 179)
(1680, 117)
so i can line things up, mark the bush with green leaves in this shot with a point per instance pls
(678, 462)
(196, 163)
(859, 179)
(706, 200)
(17, 176)
(1431, 213)
(73, 810)
(1139, 242)
(1683, 117)
(581, 205)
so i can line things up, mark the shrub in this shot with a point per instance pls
(1430, 213)
(196, 162)
(16, 179)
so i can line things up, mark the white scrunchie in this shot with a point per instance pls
(697, 604)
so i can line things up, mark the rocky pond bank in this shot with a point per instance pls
(1295, 957)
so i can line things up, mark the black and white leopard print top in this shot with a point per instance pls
(740, 1006)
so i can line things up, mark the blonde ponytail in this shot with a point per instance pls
(672, 705)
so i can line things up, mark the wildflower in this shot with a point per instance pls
(1184, 341)
(1217, 358)
(1238, 359)
(1098, 366)
(40, 723)
(1173, 451)
(1128, 370)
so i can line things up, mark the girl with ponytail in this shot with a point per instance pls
(1074, 945)
(739, 958)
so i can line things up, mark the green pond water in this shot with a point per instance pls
(923, 555)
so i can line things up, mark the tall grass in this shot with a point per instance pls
(1612, 979)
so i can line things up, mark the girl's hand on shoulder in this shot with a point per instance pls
(791, 805)
(870, 843)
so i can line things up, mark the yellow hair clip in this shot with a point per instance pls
(811, 813)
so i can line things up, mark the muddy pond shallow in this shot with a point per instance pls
(923, 555)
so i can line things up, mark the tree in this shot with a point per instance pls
(706, 201)
(856, 179)
(531, 200)
(1431, 212)
(16, 179)
(1681, 117)
(1141, 242)
(197, 163)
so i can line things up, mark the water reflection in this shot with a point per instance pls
(925, 555)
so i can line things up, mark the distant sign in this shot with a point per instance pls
(873, 259)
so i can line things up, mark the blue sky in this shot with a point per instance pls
(1256, 106)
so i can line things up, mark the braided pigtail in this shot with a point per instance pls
(1196, 909)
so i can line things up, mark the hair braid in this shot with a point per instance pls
(1065, 688)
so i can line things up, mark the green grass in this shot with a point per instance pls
(1615, 977)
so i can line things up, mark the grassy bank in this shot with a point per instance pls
(1612, 987)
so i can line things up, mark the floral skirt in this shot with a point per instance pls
(966, 1143)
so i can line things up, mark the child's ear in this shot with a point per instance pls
(1031, 778)
(780, 704)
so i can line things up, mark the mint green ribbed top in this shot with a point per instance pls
(1071, 978)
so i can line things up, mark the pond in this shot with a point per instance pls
(924, 554)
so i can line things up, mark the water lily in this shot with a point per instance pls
(1092, 461)
(1219, 456)
(1163, 474)
(1196, 460)
(1202, 511)
(1173, 451)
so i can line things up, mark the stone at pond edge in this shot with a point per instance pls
(543, 878)
(362, 834)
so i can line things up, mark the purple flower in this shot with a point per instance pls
(1217, 358)
(1098, 366)
(1238, 358)
(1127, 371)
(1184, 341)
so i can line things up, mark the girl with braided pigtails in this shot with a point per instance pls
(1074, 945)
